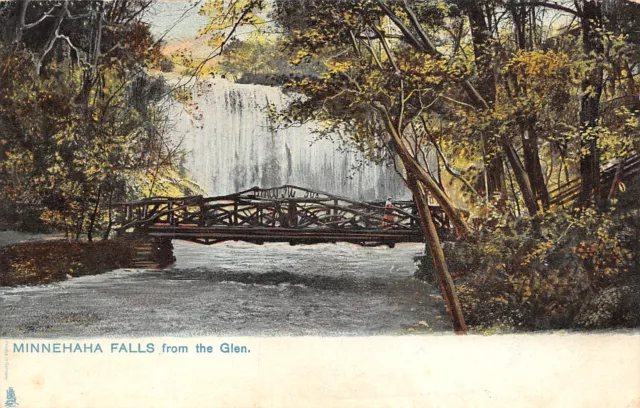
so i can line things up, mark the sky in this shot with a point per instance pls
(179, 19)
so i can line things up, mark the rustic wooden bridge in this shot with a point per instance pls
(284, 214)
(302, 216)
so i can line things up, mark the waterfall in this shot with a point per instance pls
(232, 148)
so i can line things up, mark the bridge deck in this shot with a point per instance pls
(212, 235)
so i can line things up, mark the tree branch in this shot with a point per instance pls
(45, 16)
(408, 35)
(387, 49)
(553, 6)
(455, 173)
(431, 49)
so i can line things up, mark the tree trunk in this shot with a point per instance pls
(532, 162)
(90, 74)
(92, 219)
(107, 230)
(495, 171)
(590, 106)
(521, 178)
(523, 23)
(486, 86)
(481, 36)
(433, 241)
(20, 23)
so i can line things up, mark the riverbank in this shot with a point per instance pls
(9, 237)
(40, 262)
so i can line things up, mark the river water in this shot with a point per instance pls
(236, 288)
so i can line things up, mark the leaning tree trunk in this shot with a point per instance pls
(590, 106)
(521, 178)
(412, 166)
(417, 175)
(435, 247)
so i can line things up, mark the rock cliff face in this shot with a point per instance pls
(232, 148)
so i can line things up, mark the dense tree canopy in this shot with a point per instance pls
(83, 122)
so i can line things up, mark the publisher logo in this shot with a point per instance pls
(11, 400)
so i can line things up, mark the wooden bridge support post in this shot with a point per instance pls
(235, 213)
(276, 214)
(414, 211)
(163, 252)
(201, 222)
(293, 215)
(149, 252)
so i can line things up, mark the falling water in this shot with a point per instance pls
(232, 148)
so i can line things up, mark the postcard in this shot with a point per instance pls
(319, 203)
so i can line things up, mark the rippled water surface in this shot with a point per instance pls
(237, 289)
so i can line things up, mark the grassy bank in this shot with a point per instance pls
(51, 261)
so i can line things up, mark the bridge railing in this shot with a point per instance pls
(625, 169)
(286, 207)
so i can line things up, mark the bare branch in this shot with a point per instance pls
(118, 46)
(68, 40)
(369, 47)
(52, 39)
(428, 48)
(41, 19)
(387, 49)
(218, 50)
(455, 173)
(408, 35)
(431, 49)
(72, 17)
(552, 6)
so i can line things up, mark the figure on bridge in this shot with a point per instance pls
(388, 219)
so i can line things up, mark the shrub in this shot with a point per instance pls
(569, 269)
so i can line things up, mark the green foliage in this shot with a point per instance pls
(562, 274)
(79, 135)
(262, 59)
